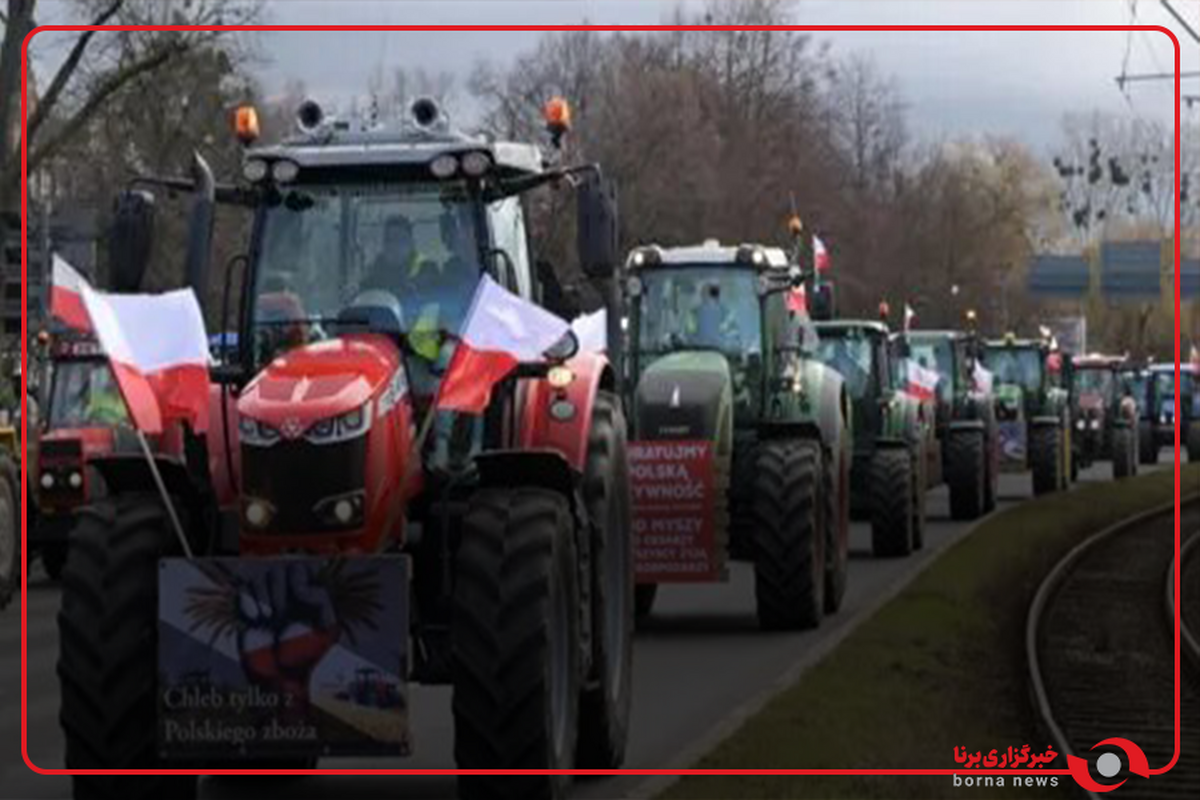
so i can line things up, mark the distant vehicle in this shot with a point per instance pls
(1164, 413)
(1106, 423)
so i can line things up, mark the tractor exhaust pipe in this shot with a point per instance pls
(200, 229)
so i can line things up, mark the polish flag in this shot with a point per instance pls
(501, 331)
(592, 331)
(909, 316)
(820, 254)
(66, 302)
(922, 381)
(984, 380)
(797, 300)
(159, 353)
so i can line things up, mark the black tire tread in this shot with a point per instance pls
(1045, 459)
(968, 474)
(891, 503)
(789, 568)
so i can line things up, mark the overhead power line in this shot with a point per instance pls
(1181, 20)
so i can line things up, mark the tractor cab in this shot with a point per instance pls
(394, 533)
(1164, 413)
(862, 353)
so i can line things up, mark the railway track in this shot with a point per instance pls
(1100, 644)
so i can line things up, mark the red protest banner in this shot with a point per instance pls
(674, 523)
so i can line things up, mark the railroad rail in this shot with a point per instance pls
(1100, 650)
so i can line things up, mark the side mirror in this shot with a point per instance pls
(130, 240)
(821, 304)
(597, 228)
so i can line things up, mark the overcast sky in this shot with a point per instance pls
(954, 83)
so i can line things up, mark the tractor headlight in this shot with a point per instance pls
(341, 511)
(1080, 424)
(284, 171)
(476, 163)
(1095, 424)
(75, 480)
(255, 170)
(258, 513)
(47, 480)
(348, 426)
(444, 167)
(256, 434)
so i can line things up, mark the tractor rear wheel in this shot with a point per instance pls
(920, 492)
(1046, 459)
(1193, 441)
(892, 501)
(644, 595)
(991, 491)
(968, 474)
(789, 564)
(108, 658)
(515, 642)
(10, 530)
(836, 499)
(1147, 444)
(1124, 457)
(604, 706)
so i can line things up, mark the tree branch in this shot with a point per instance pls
(101, 93)
(50, 97)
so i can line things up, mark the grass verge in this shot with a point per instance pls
(942, 665)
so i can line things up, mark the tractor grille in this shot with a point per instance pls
(294, 476)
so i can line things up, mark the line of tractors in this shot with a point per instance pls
(733, 416)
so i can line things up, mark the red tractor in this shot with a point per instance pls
(330, 518)
(84, 418)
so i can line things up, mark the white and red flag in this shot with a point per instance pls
(159, 353)
(797, 300)
(909, 316)
(592, 331)
(820, 254)
(501, 330)
(66, 300)
(984, 380)
(922, 381)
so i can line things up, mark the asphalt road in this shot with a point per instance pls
(700, 664)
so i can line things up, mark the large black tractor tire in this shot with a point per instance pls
(1147, 444)
(54, 559)
(1124, 453)
(836, 501)
(10, 531)
(920, 492)
(789, 564)
(605, 704)
(892, 503)
(515, 641)
(108, 658)
(1046, 459)
(968, 474)
(644, 595)
(1193, 441)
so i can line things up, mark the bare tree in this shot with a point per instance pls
(96, 68)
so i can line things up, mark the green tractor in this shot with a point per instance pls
(1033, 408)
(965, 418)
(741, 440)
(896, 452)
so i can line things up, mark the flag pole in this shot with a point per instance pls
(162, 489)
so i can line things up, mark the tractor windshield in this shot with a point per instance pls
(407, 250)
(1098, 382)
(84, 394)
(714, 308)
(1016, 366)
(937, 355)
(851, 352)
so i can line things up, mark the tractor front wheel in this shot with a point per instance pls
(836, 499)
(968, 474)
(108, 658)
(10, 530)
(1147, 443)
(515, 643)
(604, 707)
(1046, 459)
(892, 502)
(644, 596)
(1124, 453)
(789, 565)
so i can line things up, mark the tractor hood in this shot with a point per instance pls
(320, 381)
(686, 395)
(1091, 401)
